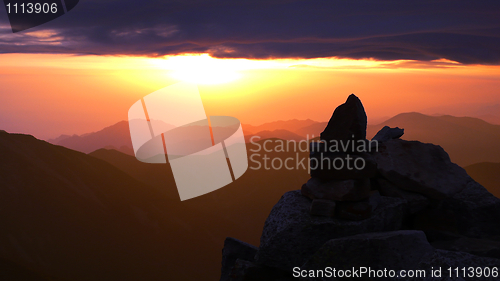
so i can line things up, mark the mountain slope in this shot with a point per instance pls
(467, 140)
(243, 204)
(158, 176)
(75, 217)
(289, 125)
(72, 216)
(116, 136)
(312, 130)
(280, 134)
(487, 174)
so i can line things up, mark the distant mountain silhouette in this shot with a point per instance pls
(490, 114)
(280, 134)
(75, 217)
(289, 125)
(487, 174)
(467, 140)
(487, 112)
(59, 139)
(312, 130)
(116, 136)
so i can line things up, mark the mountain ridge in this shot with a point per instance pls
(76, 217)
(468, 140)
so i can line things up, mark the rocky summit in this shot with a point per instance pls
(385, 203)
(348, 121)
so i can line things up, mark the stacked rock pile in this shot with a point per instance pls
(341, 165)
(402, 205)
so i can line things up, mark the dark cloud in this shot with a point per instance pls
(463, 31)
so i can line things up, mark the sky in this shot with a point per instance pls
(258, 61)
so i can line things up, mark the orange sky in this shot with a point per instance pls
(49, 95)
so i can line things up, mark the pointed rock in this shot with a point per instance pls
(348, 120)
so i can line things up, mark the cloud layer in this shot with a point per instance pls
(463, 31)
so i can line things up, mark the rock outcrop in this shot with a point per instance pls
(291, 233)
(348, 121)
(408, 208)
(388, 133)
(420, 167)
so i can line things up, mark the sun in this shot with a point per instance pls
(203, 69)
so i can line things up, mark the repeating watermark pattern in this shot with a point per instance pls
(204, 153)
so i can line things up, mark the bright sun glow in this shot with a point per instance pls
(203, 69)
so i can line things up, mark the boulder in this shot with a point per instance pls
(240, 270)
(358, 210)
(395, 250)
(420, 167)
(321, 207)
(415, 202)
(352, 217)
(436, 235)
(338, 190)
(248, 271)
(291, 234)
(354, 211)
(235, 249)
(472, 212)
(342, 166)
(347, 122)
(388, 133)
(450, 259)
(374, 199)
(478, 247)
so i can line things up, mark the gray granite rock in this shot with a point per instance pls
(291, 234)
(358, 210)
(321, 207)
(472, 212)
(342, 166)
(415, 202)
(337, 190)
(395, 250)
(240, 270)
(420, 167)
(450, 259)
(388, 133)
(247, 271)
(235, 249)
(478, 247)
